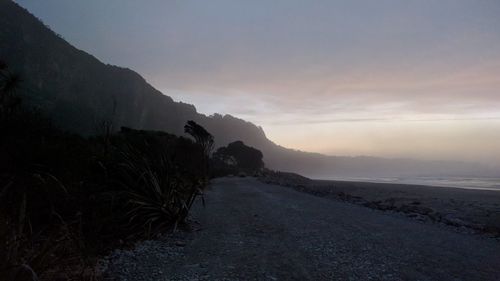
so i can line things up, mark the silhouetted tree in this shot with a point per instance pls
(238, 157)
(203, 138)
(200, 135)
(105, 128)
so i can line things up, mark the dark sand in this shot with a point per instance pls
(470, 210)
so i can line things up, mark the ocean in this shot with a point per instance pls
(458, 182)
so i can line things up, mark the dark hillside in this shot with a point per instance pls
(75, 87)
(78, 91)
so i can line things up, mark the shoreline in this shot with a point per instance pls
(409, 185)
(430, 184)
(467, 210)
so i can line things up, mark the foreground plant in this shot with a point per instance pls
(158, 196)
(29, 251)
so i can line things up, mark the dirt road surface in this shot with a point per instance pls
(249, 230)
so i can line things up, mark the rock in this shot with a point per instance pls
(180, 243)
(415, 209)
(453, 220)
(435, 216)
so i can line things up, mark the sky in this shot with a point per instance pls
(391, 78)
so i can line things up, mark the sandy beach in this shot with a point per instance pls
(468, 210)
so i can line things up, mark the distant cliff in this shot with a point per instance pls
(78, 91)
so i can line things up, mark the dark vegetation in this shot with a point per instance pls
(237, 159)
(66, 199)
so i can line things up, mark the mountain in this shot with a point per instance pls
(78, 91)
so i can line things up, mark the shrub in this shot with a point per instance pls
(158, 197)
(66, 199)
(237, 158)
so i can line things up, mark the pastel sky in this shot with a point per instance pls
(413, 78)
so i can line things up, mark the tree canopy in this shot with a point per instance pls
(200, 135)
(240, 156)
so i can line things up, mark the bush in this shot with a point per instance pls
(66, 199)
(159, 190)
(237, 158)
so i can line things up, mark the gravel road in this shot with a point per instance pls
(249, 230)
